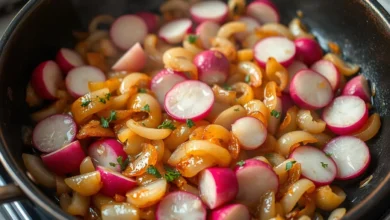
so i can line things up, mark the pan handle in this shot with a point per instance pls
(9, 193)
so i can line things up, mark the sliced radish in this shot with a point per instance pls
(132, 61)
(250, 132)
(280, 48)
(217, 186)
(231, 212)
(54, 132)
(127, 30)
(255, 178)
(264, 11)
(310, 90)
(173, 32)
(114, 182)
(346, 114)
(164, 81)
(68, 59)
(106, 151)
(45, 79)
(358, 86)
(329, 71)
(216, 11)
(150, 19)
(213, 67)
(78, 78)
(206, 31)
(181, 205)
(65, 160)
(251, 25)
(308, 50)
(190, 99)
(315, 165)
(350, 154)
(293, 69)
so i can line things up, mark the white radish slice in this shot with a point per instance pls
(346, 114)
(251, 25)
(217, 186)
(231, 212)
(329, 71)
(250, 132)
(280, 48)
(151, 20)
(114, 182)
(78, 78)
(181, 205)
(350, 154)
(206, 31)
(54, 132)
(68, 59)
(132, 61)
(213, 67)
(358, 86)
(164, 81)
(216, 11)
(127, 30)
(106, 151)
(173, 32)
(315, 165)
(255, 178)
(190, 99)
(65, 160)
(263, 11)
(293, 69)
(45, 79)
(308, 50)
(310, 90)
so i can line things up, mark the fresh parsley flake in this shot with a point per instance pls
(112, 115)
(102, 100)
(227, 87)
(105, 122)
(146, 108)
(142, 90)
(328, 154)
(108, 96)
(123, 163)
(289, 165)
(153, 170)
(167, 124)
(190, 123)
(275, 113)
(241, 163)
(324, 165)
(236, 109)
(85, 102)
(112, 164)
(247, 78)
(171, 174)
(192, 38)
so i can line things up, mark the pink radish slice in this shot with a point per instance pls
(65, 160)
(213, 67)
(106, 151)
(315, 165)
(231, 212)
(254, 179)
(181, 205)
(68, 59)
(293, 69)
(308, 50)
(45, 79)
(251, 25)
(54, 132)
(164, 81)
(150, 19)
(206, 31)
(173, 32)
(132, 61)
(114, 182)
(263, 11)
(310, 90)
(280, 48)
(250, 132)
(217, 186)
(346, 114)
(329, 71)
(127, 30)
(350, 154)
(190, 99)
(78, 78)
(358, 86)
(216, 11)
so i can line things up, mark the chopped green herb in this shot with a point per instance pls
(153, 170)
(102, 100)
(143, 124)
(241, 163)
(275, 113)
(112, 115)
(85, 102)
(112, 164)
(190, 123)
(123, 163)
(167, 124)
(227, 87)
(324, 165)
(247, 78)
(142, 90)
(268, 155)
(108, 96)
(192, 38)
(146, 108)
(328, 154)
(236, 109)
(289, 165)
(105, 122)
(171, 174)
